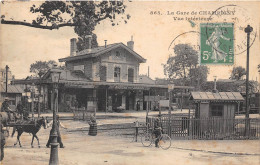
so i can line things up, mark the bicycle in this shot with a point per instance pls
(149, 138)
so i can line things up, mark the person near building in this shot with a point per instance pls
(92, 126)
(58, 125)
(20, 108)
(6, 108)
(138, 105)
(157, 131)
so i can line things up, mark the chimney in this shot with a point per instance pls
(130, 44)
(105, 43)
(148, 71)
(73, 47)
(215, 85)
(89, 38)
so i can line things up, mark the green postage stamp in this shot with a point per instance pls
(217, 43)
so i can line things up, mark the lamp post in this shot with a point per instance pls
(55, 76)
(248, 30)
(6, 79)
(170, 89)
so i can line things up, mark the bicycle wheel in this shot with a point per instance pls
(146, 140)
(165, 141)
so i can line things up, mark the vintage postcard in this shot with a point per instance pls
(130, 82)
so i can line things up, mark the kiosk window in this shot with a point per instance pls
(217, 110)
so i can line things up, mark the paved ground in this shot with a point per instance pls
(108, 148)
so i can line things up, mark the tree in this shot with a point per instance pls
(198, 76)
(82, 15)
(39, 68)
(183, 66)
(238, 73)
(82, 43)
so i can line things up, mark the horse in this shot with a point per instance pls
(30, 127)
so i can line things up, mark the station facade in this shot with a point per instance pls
(105, 77)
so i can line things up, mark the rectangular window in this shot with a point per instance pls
(103, 73)
(130, 75)
(217, 110)
(117, 74)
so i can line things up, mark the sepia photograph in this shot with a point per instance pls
(127, 82)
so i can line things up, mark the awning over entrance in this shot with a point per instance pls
(117, 85)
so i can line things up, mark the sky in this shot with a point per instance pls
(153, 34)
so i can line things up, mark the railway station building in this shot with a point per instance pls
(105, 77)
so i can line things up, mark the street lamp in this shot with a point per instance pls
(248, 30)
(55, 76)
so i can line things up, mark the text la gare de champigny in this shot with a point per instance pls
(194, 15)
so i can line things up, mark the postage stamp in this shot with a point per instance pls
(217, 44)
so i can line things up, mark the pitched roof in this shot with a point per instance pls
(145, 79)
(220, 96)
(95, 52)
(11, 88)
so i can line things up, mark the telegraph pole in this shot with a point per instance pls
(248, 30)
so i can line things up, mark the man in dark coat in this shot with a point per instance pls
(157, 130)
(58, 124)
(5, 108)
(20, 108)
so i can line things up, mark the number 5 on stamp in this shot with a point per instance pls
(217, 43)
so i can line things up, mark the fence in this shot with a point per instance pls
(209, 128)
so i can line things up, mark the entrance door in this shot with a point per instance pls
(103, 73)
(116, 100)
(130, 75)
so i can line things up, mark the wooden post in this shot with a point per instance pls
(181, 99)
(39, 104)
(189, 122)
(32, 105)
(238, 107)
(106, 100)
(147, 106)
(169, 111)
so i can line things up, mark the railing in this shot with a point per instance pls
(209, 128)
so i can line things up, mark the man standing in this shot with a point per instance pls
(58, 132)
(20, 108)
(157, 131)
(5, 108)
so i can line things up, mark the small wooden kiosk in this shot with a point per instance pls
(215, 111)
